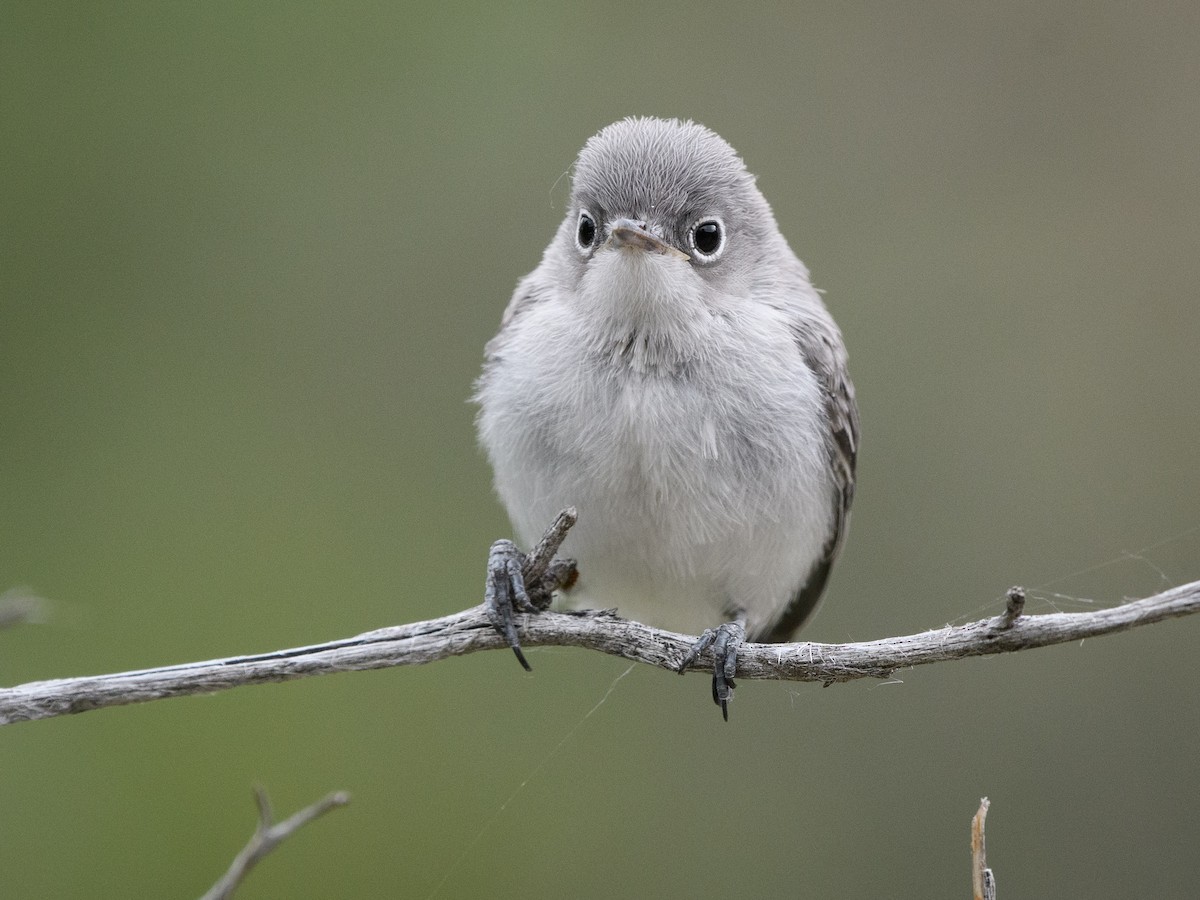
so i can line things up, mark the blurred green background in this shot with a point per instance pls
(249, 258)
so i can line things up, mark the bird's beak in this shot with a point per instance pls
(628, 233)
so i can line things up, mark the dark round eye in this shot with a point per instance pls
(585, 234)
(707, 237)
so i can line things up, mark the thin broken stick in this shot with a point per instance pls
(983, 882)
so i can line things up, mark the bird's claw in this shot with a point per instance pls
(505, 594)
(724, 641)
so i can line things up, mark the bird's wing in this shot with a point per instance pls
(531, 290)
(826, 356)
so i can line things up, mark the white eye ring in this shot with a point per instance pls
(707, 239)
(586, 231)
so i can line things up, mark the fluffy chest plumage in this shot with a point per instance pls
(695, 445)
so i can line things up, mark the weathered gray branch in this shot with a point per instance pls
(268, 835)
(470, 631)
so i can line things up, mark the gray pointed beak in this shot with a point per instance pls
(628, 233)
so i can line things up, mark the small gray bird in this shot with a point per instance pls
(669, 370)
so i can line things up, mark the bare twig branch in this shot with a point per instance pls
(268, 834)
(983, 882)
(471, 630)
(1014, 607)
(539, 558)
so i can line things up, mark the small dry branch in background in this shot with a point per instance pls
(268, 835)
(983, 882)
(472, 630)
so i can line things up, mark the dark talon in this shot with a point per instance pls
(505, 594)
(724, 641)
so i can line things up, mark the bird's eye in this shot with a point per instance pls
(585, 233)
(707, 238)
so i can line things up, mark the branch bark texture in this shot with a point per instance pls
(471, 630)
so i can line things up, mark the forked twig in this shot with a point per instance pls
(268, 834)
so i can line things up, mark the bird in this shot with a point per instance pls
(669, 370)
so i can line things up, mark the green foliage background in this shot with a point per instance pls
(249, 256)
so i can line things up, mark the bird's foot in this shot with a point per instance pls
(724, 640)
(505, 594)
(512, 588)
